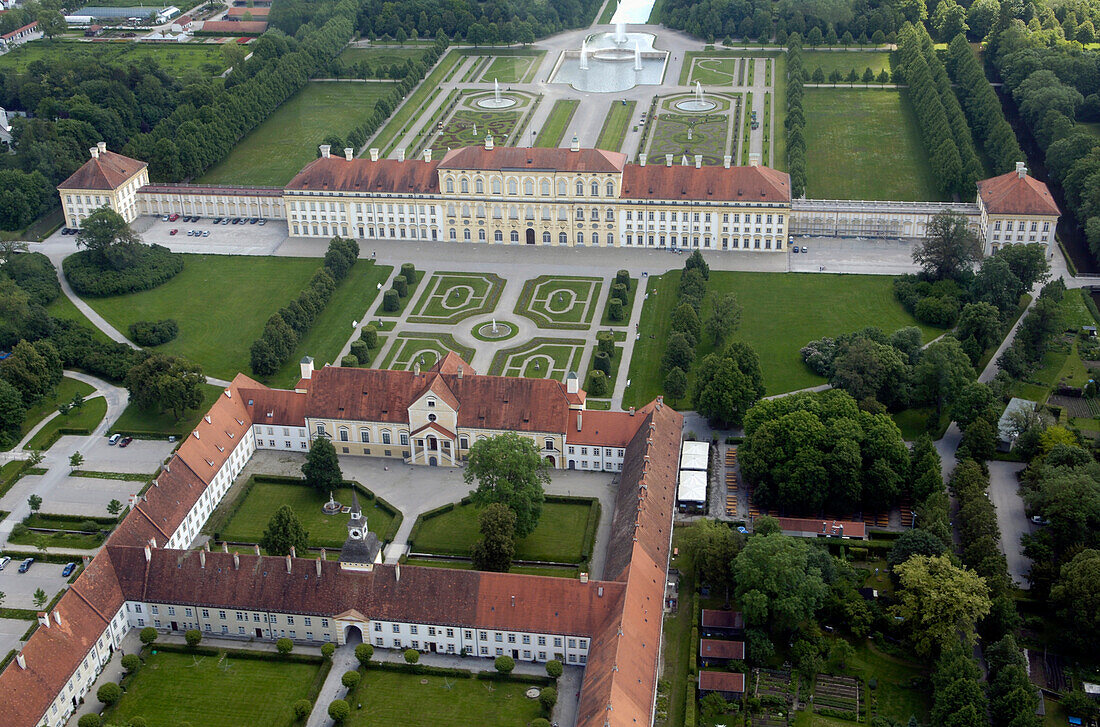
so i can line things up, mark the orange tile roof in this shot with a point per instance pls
(213, 439)
(234, 27)
(717, 649)
(736, 184)
(336, 173)
(450, 364)
(605, 428)
(510, 157)
(1014, 194)
(107, 171)
(28, 27)
(721, 681)
(275, 406)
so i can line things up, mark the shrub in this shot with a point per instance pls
(339, 710)
(618, 290)
(360, 351)
(623, 278)
(154, 266)
(598, 384)
(554, 669)
(602, 362)
(148, 333)
(109, 693)
(401, 285)
(148, 635)
(615, 309)
(284, 645)
(408, 271)
(363, 652)
(192, 637)
(302, 707)
(369, 336)
(548, 697)
(605, 342)
(936, 311)
(328, 649)
(391, 301)
(350, 680)
(137, 721)
(412, 656)
(131, 662)
(504, 664)
(90, 720)
(350, 361)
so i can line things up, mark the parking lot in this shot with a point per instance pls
(81, 495)
(241, 239)
(19, 587)
(852, 255)
(142, 456)
(10, 631)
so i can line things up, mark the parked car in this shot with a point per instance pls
(263, 221)
(794, 248)
(173, 231)
(26, 565)
(217, 220)
(114, 439)
(254, 220)
(206, 233)
(173, 217)
(165, 218)
(125, 441)
(68, 569)
(225, 221)
(4, 562)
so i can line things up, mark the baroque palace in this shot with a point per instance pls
(145, 575)
(564, 197)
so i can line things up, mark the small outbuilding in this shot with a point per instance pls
(716, 652)
(721, 624)
(731, 686)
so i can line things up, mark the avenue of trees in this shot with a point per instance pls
(795, 122)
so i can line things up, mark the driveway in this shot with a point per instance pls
(73, 495)
(1005, 493)
(11, 629)
(19, 587)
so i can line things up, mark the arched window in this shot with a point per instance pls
(481, 235)
(479, 186)
(528, 186)
(595, 188)
(562, 239)
(545, 212)
(610, 215)
(544, 188)
(580, 188)
(496, 212)
(464, 185)
(513, 188)
(465, 210)
(466, 234)
(548, 443)
(529, 213)
(480, 209)
(364, 436)
(514, 236)
(563, 187)
(451, 233)
(596, 239)
(385, 436)
(449, 185)
(513, 212)
(580, 238)
(496, 185)
(343, 434)
(498, 236)
(595, 216)
(610, 239)
(450, 209)
(546, 238)
(610, 189)
(563, 214)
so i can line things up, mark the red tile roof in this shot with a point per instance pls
(736, 184)
(255, 12)
(1014, 194)
(605, 428)
(509, 157)
(717, 649)
(275, 406)
(721, 681)
(722, 619)
(411, 176)
(450, 364)
(234, 27)
(808, 525)
(18, 31)
(107, 171)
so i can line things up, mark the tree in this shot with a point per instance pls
(363, 653)
(1027, 262)
(950, 247)
(412, 656)
(686, 320)
(284, 646)
(914, 542)
(939, 602)
(51, 23)
(979, 440)
(554, 669)
(12, 412)
(725, 316)
(302, 707)
(942, 373)
(675, 383)
(109, 693)
(34, 502)
(339, 710)
(1077, 597)
(980, 321)
(109, 239)
(284, 531)
(509, 469)
(90, 720)
(711, 547)
(504, 664)
(166, 383)
(328, 649)
(548, 697)
(131, 662)
(839, 654)
(75, 460)
(114, 507)
(497, 546)
(868, 369)
(39, 597)
(148, 635)
(1078, 704)
(193, 637)
(777, 583)
(322, 467)
(727, 384)
(350, 679)
(34, 369)
(679, 352)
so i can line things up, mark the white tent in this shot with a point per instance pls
(693, 456)
(693, 486)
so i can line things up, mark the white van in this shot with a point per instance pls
(114, 439)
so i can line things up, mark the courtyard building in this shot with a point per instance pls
(1016, 208)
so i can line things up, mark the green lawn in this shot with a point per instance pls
(844, 61)
(65, 392)
(539, 358)
(221, 303)
(410, 110)
(263, 498)
(178, 59)
(615, 125)
(215, 691)
(448, 298)
(58, 540)
(526, 570)
(677, 633)
(553, 129)
(509, 69)
(556, 301)
(864, 144)
(138, 422)
(782, 312)
(372, 59)
(423, 348)
(895, 701)
(351, 301)
(559, 536)
(608, 11)
(412, 700)
(84, 420)
(276, 150)
(64, 309)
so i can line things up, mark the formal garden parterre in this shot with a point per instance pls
(450, 297)
(560, 302)
(411, 349)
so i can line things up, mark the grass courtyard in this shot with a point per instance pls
(864, 144)
(276, 150)
(221, 303)
(782, 312)
(844, 61)
(414, 700)
(178, 59)
(615, 125)
(540, 358)
(448, 298)
(263, 497)
(82, 420)
(373, 60)
(560, 302)
(559, 536)
(172, 688)
(468, 127)
(691, 134)
(553, 129)
(409, 349)
(512, 68)
(66, 390)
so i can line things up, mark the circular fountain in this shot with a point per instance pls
(697, 103)
(497, 101)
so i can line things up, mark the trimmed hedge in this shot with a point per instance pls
(156, 265)
(149, 333)
(239, 653)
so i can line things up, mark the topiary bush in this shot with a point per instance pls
(90, 720)
(301, 708)
(602, 362)
(554, 669)
(369, 336)
(615, 309)
(148, 635)
(339, 711)
(391, 301)
(284, 645)
(504, 664)
(408, 271)
(154, 265)
(192, 637)
(137, 721)
(548, 697)
(328, 649)
(412, 656)
(149, 333)
(598, 384)
(363, 653)
(131, 662)
(360, 351)
(350, 361)
(350, 679)
(401, 286)
(109, 693)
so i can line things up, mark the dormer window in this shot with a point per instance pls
(431, 403)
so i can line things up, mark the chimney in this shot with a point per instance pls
(256, 548)
(428, 154)
(401, 154)
(288, 564)
(148, 554)
(202, 558)
(397, 572)
(225, 546)
(86, 560)
(307, 367)
(325, 151)
(349, 153)
(206, 546)
(102, 146)
(572, 385)
(578, 421)
(668, 160)
(641, 160)
(576, 145)
(460, 371)
(488, 141)
(374, 154)
(94, 151)
(631, 411)
(293, 552)
(584, 576)
(754, 160)
(726, 161)
(236, 561)
(21, 661)
(43, 619)
(416, 369)
(1021, 170)
(57, 617)
(319, 565)
(698, 161)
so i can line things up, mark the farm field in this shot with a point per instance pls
(178, 59)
